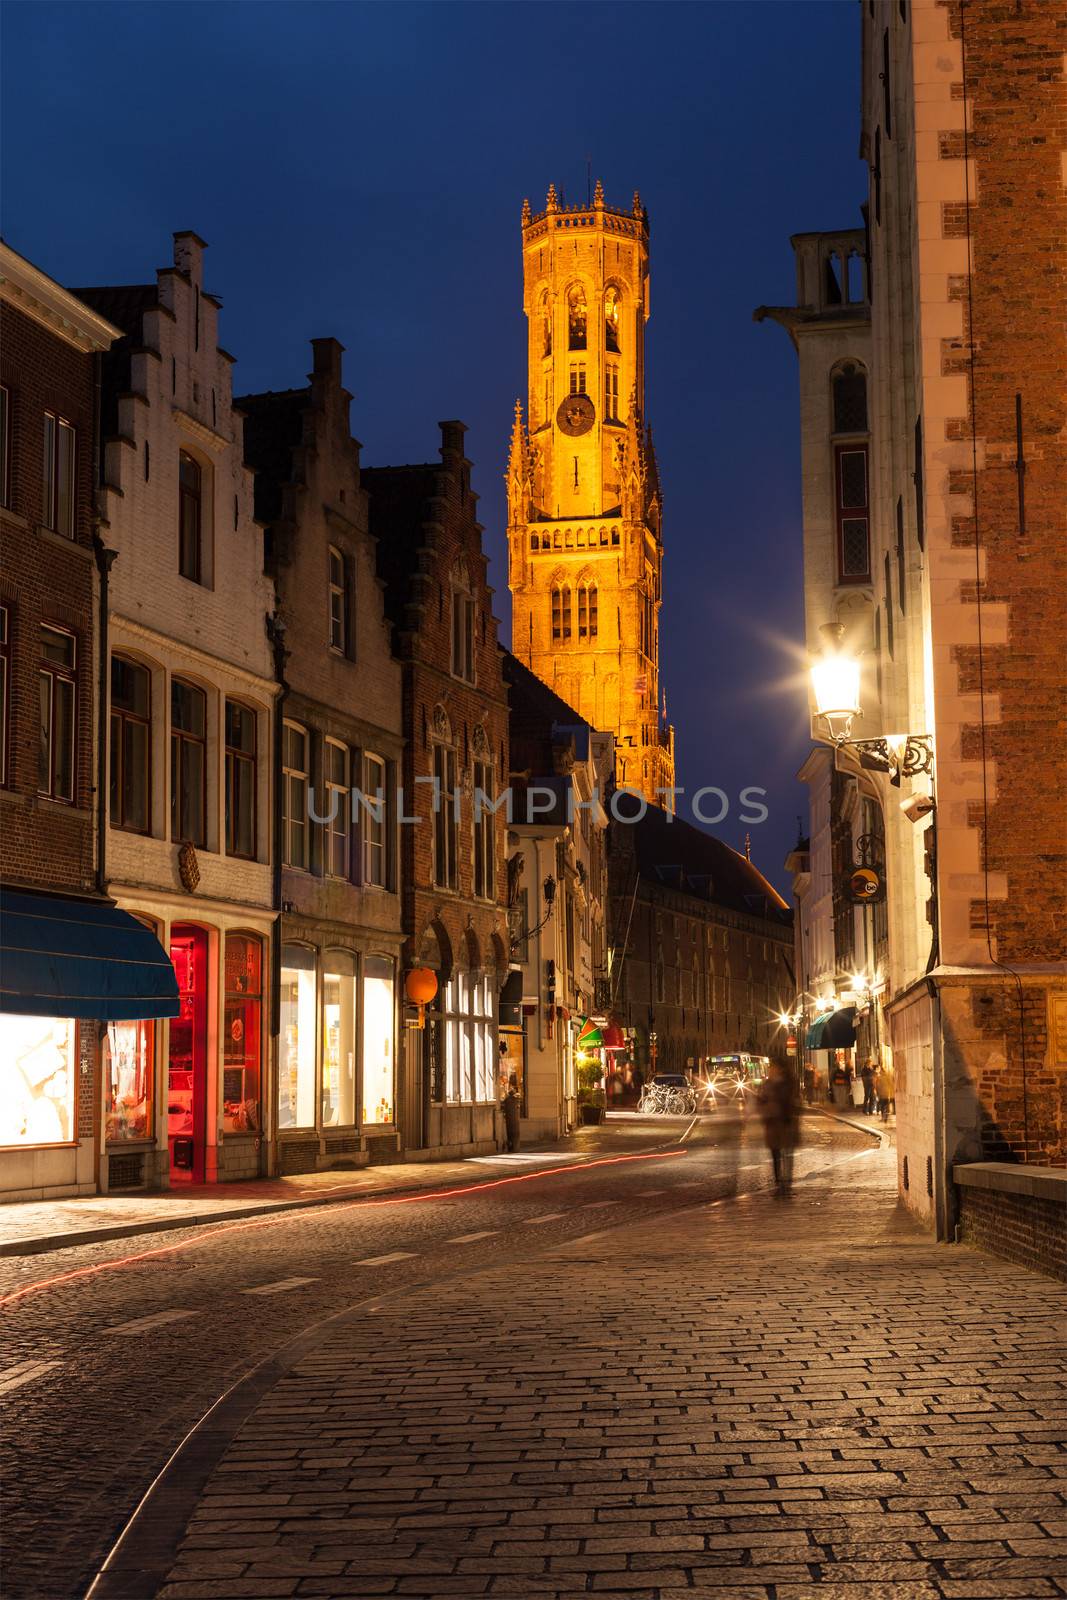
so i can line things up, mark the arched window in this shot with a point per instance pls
(587, 611)
(294, 795)
(850, 399)
(546, 327)
(611, 319)
(190, 518)
(131, 745)
(561, 612)
(851, 491)
(577, 317)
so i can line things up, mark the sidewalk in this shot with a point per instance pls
(799, 1400)
(886, 1131)
(33, 1227)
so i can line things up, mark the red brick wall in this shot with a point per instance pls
(1014, 318)
(46, 578)
(1020, 1228)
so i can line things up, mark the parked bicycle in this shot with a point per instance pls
(670, 1094)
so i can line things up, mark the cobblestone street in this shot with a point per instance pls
(762, 1399)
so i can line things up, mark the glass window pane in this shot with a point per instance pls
(337, 764)
(44, 735)
(243, 1035)
(378, 1053)
(134, 802)
(338, 1039)
(65, 481)
(58, 647)
(128, 1071)
(188, 708)
(296, 1074)
(37, 1080)
(63, 738)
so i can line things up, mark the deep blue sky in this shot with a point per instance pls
(358, 170)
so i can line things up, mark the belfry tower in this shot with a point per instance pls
(585, 553)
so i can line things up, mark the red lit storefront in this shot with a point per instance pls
(185, 1099)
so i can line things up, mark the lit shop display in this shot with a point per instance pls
(378, 1074)
(338, 1039)
(37, 1079)
(187, 1056)
(242, 1034)
(128, 1067)
(296, 1066)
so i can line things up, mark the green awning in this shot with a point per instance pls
(834, 1030)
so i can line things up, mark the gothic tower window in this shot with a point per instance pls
(851, 491)
(577, 317)
(546, 328)
(577, 378)
(611, 393)
(561, 612)
(611, 320)
(587, 611)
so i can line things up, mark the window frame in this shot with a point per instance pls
(188, 496)
(483, 831)
(338, 601)
(179, 739)
(445, 822)
(374, 833)
(118, 718)
(232, 756)
(291, 776)
(56, 673)
(462, 631)
(337, 832)
(56, 426)
(845, 514)
(577, 308)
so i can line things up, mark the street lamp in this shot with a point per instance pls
(835, 682)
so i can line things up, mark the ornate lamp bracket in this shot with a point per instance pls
(907, 759)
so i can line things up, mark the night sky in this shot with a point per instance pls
(358, 170)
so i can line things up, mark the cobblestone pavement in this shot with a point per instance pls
(30, 1227)
(757, 1399)
(112, 1351)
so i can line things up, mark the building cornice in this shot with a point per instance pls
(167, 643)
(38, 296)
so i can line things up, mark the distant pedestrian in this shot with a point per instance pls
(883, 1088)
(809, 1083)
(512, 1107)
(869, 1101)
(780, 1114)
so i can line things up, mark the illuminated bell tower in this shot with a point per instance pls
(584, 547)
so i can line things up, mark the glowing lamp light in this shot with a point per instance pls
(420, 986)
(835, 682)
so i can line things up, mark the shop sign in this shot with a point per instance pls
(866, 885)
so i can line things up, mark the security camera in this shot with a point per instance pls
(917, 806)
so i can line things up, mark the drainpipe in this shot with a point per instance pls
(104, 558)
(276, 635)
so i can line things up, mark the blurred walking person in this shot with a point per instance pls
(780, 1114)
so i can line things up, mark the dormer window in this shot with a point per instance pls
(338, 592)
(462, 625)
(190, 518)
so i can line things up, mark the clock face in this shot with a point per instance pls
(576, 415)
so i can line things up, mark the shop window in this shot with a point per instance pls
(612, 308)
(378, 1027)
(338, 1039)
(296, 1070)
(190, 518)
(129, 1058)
(243, 1035)
(188, 764)
(37, 1080)
(577, 317)
(131, 745)
(469, 1065)
(294, 796)
(59, 484)
(337, 809)
(374, 820)
(58, 707)
(5, 690)
(445, 818)
(240, 780)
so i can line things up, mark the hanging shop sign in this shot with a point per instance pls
(865, 885)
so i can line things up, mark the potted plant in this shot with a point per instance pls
(592, 1104)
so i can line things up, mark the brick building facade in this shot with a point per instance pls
(455, 726)
(51, 342)
(339, 735)
(964, 127)
(190, 735)
(702, 945)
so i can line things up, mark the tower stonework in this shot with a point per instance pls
(584, 542)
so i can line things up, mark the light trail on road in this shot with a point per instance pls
(210, 1236)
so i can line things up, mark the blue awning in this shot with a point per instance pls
(80, 958)
(834, 1030)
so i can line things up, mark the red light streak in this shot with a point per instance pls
(209, 1235)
